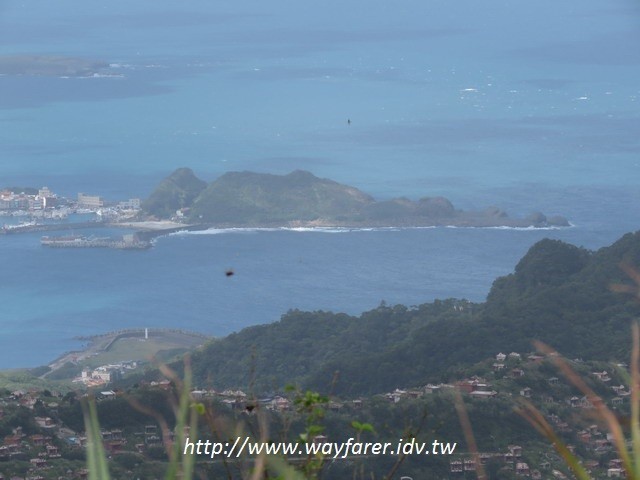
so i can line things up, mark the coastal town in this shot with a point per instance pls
(38, 441)
(42, 210)
(43, 203)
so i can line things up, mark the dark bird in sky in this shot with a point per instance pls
(348, 121)
(229, 273)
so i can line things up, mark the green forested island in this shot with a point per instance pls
(248, 199)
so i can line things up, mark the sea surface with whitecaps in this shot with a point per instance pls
(529, 106)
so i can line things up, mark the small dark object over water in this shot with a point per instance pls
(229, 273)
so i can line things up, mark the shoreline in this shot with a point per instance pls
(149, 225)
(102, 342)
(148, 230)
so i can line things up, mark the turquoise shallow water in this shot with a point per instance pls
(55, 295)
(524, 106)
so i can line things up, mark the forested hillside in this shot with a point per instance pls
(559, 294)
(177, 191)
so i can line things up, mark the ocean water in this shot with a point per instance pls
(530, 107)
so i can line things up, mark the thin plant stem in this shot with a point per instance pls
(468, 434)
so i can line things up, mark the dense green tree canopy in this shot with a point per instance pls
(558, 294)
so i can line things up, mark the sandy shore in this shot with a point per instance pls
(149, 225)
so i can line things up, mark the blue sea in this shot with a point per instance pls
(529, 106)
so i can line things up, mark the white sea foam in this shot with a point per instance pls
(521, 229)
(96, 75)
(220, 231)
(121, 65)
(246, 230)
